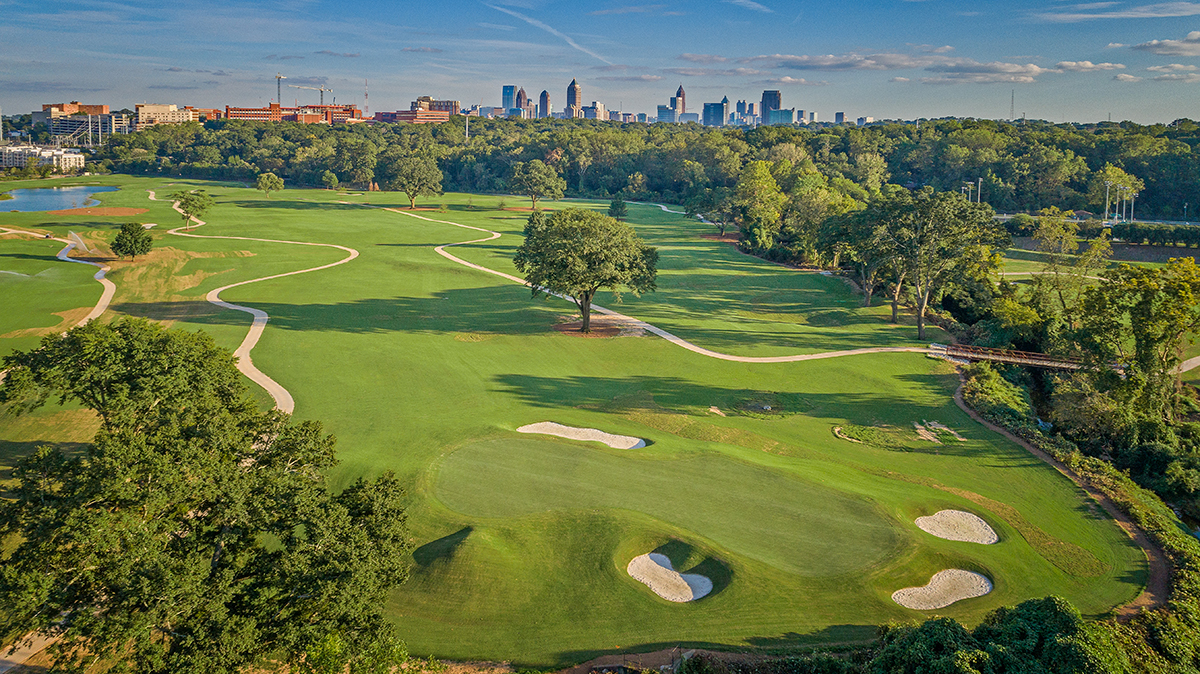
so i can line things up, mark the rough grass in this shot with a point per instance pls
(421, 366)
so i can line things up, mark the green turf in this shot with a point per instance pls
(427, 368)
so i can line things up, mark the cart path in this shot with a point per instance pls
(245, 364)
(110, 288)
(633, 322)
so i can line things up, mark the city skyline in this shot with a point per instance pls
(885, 58)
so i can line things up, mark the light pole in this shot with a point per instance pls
(1107, 184)
(968, 187)
(979, 191)
(1132, 203)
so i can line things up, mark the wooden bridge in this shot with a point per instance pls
(1031, 359)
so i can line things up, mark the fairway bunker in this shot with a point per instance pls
(585, 434)
(958, 525)
(654, 570)
(945, 588)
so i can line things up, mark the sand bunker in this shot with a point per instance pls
(586, 434)
(716, 410)
(656, 572)
(945, 588)
(958, 525)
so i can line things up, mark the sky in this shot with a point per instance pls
(888, 59)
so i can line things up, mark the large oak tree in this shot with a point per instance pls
(576, 252)
(195, 533)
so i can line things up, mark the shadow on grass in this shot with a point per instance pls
(12, 452)
(27, 256)
(442, 548)
(294, 205)
(682, 555)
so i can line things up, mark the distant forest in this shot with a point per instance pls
(1021, 167)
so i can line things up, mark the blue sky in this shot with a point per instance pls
(884, 58)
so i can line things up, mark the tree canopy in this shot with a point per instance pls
(268, 183)
(194, 533)
(132, 240)
(536, 180)
(193, 204)
(415, 175)
(576, 252)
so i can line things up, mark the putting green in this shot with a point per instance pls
(791, 524)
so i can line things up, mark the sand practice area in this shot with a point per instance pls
(945, 588)
(958, 525)
(586, 434)
(655, 571)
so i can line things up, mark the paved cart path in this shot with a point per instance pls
(65, 255)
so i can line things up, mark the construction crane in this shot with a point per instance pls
(279, 89)
(321, 89)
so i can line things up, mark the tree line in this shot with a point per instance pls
(1016, 167)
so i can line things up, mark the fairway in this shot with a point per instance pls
(426, 367)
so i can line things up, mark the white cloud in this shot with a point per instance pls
(1125, 77)
(1188, 46)
(1173, 68)
(1086, 66)
(631, 78)
(750, 4)
(1188, 78)
(710, 72)
(702, 58)
(788, 81)
(1161, 10)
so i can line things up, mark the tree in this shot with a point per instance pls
(577, 252)
(1066, 272)
(871, 238)
(415, 175)
(354, 161)
(132, 240)
(1104, 189)
(1141, 318)
(192, 204)
(268, 183)
(945, 237)
(329, 179)
(195, 533)
(758, 205)
(617, 208)
(536, 180)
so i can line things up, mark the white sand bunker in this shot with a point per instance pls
(656, 572)
(958, 525)
(945, 588)
(586, 434)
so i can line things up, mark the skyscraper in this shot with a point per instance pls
(716, 114)
(522, 99)
(680, 101)
(574, 100)
(771, 100)
(839, 118)
(508, 97)
(544, 104)
(741, 107)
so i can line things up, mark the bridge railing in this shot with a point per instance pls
(1009, 356)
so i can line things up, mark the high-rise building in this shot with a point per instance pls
(751, 110)
(522, 99)
(544, 104)
(771, 100)
(787, 116)
(863, 121)
(595, 111)
(574, 100)
(839, 118)
(428, 103)
(680, 101)
(812, 118)
(643, 117)
(666, 114)
(716, 114)
(741, 107)
(508, 97)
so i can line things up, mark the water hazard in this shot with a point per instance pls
(53, 198)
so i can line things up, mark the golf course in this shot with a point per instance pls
(793, 485)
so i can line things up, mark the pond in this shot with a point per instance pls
(53, 198)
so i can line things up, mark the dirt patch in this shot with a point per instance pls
(601, 327)
(945, 588)
(106, 211)
(837, 431)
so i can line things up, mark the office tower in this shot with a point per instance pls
(574, 100)
(642, 117)
(508, 97)
(544, 104)
(680, 101)
(716, 114)
(522, 101)
(771, 100)
(839, 118)
(666, 113)
(787, 116)
(750, 109)
(741, 108)
(812, 118)
(863, 121)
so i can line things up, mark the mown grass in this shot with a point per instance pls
(426, 368)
